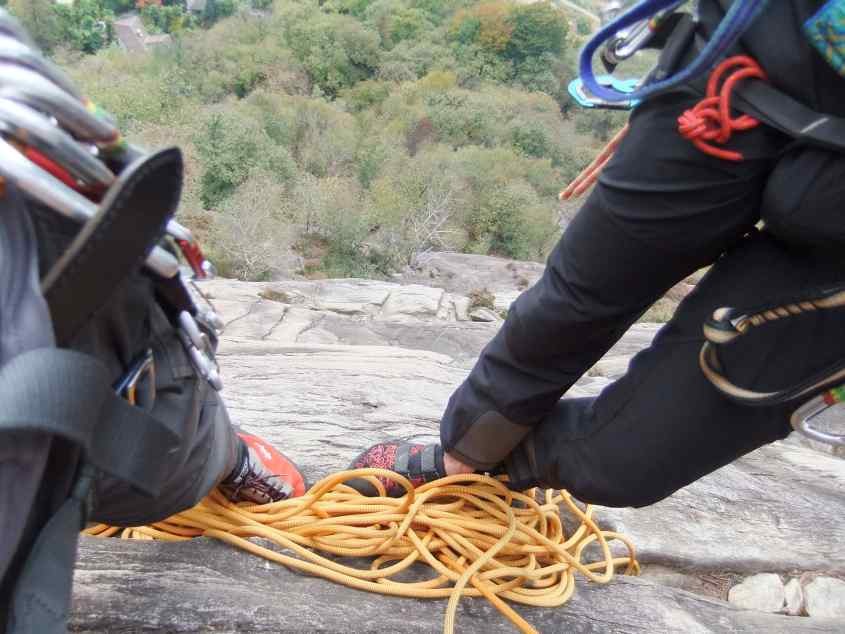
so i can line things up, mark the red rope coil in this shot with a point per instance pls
(710, 121)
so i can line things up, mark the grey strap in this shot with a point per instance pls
(403, 456)
(429, 460)
(69, 394)
(24, 325)
(767, 103)
(41, 600)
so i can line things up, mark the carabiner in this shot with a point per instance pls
(143, 368)
(803, 416)
(191, 250)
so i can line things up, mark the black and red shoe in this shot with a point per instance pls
(263, 474)
(419, 463)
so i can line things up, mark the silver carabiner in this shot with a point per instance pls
(200, 350)
(142, 369)
(625, 43)
(802, 417)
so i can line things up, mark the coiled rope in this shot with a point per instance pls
(480, 538)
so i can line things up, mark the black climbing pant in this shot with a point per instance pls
(208, 449)
(661, 211)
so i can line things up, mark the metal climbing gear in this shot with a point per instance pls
(142, 371)
(200, 349)
(804, 416)
(738, 18)
(823, 389)
(585, 99)
(623, 44)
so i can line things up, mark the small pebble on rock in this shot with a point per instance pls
(762, 592)
(794, 597)
(825, 597)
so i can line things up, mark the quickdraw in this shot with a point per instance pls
(63, 151)
(824, 389)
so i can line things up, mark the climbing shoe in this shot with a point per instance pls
(262, 474)
(418, 463)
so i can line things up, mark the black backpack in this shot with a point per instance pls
(92, 300)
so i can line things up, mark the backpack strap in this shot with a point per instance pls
(42, 593)
(67, 394)
(768, 104)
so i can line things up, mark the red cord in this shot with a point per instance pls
(710, 120)
(50, 167)
(53, 168)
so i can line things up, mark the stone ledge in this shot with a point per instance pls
(204, 585)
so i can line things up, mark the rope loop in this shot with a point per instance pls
(710, 122)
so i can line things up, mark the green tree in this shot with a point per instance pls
(538, 29)
(350, 7)
(405, 24)
(164, 18)
(217, 10)
(439, 10)
(119, 6)
(583, 26)
(231, 147)
(486, 24)
(336, 50)
(39, 18)
(600, 123)
(86, 24)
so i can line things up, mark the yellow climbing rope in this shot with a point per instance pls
(480, 538)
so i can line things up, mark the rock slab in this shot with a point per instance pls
(323, 369)
(205, 585)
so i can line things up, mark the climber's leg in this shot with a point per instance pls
(663, 425)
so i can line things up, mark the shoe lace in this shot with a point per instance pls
(261, 482)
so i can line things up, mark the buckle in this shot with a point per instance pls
(199, 349)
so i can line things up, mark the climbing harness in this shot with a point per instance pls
(479, 537)
(824, 389)
(737, 83)
(660, 25)
(708, 123)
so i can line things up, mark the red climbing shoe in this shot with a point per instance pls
(418, 463)
(262, 475)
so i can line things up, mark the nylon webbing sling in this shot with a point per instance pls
(69, 394)
(766, 103)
